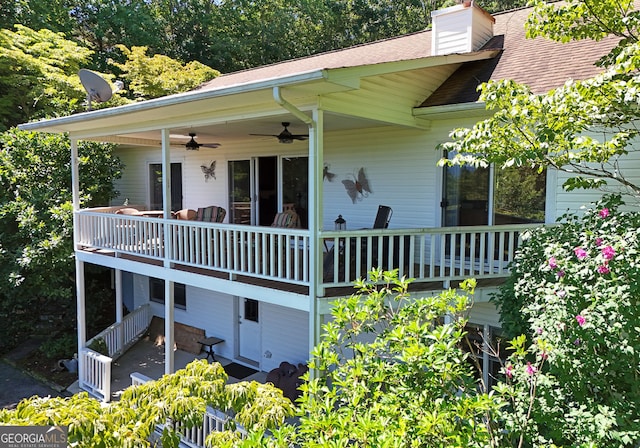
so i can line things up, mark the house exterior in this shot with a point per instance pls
(369, 119)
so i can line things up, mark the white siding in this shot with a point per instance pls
(460, 29)
(484, 313)
(285, 335)
(400, 166)
(573, 201)
(212, 311)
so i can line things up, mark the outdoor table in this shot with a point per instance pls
(207, 346)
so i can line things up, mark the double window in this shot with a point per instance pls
(492, 196)
(156, 293)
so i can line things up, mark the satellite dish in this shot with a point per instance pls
(97, 88)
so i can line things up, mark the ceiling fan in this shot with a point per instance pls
(193, 145)
(285, 136)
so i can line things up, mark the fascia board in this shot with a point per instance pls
(350, 76)
(446, 111)
(72, 123)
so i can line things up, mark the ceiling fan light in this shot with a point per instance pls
(192, 145)
(286, 140)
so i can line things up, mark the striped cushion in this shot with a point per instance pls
(212, 213)
(288, 219)
(282, 220)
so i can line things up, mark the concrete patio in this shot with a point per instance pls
(147, 358)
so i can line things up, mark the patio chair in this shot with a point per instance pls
(212, 213)
(288, 219)
(185, 214)
(128, 211)
(383, 216)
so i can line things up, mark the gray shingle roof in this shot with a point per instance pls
(539, 63)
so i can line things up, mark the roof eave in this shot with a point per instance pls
(66, 124)
(446, 111)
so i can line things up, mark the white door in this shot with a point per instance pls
(249, 330)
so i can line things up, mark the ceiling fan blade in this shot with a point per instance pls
(210, 145)
(265, 135)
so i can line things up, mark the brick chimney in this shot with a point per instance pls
(460, 29)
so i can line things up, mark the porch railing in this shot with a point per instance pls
(95, 371)
(429, 254)
(426, 254)
(213, 420)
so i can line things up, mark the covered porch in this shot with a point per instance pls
(282, 258)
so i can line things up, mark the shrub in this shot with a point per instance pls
(574, 292)
(391, 372)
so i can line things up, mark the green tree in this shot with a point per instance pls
(584, 128)
(392, 373)
(154, 76)
(574, 293)
(36, 250)
(38, 75)
(180, 397)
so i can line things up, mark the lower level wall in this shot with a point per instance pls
(283, 332)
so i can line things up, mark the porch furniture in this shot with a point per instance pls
(381, 221)
(128, 211)
(212, 213)
(207, 346)
(382, 217)
(288, 378)
(186, 214)
(288, 219)
(152, 213)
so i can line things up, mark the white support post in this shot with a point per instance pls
(80, 283)
(119, 310)
(80, 317)
(316, 149)
(169, 340)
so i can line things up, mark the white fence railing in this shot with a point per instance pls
(427, 254)
(95, 374)
(430, 254)
(95, 370)
(213, 420)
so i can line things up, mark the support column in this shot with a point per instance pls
(80, 318)
(81, 321)
(169, 337)
(119, 311)
(316, 149)
(169, 340)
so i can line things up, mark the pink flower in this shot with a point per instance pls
(539, 330)
(603, 269)
(598, 242)
(531, 370)
(604, 212)
(553, 263)
(580, 253)
(560, 273)
(608, 252)
(581, 320)
(561, 293)
(508, 371)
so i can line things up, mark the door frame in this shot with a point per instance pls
(239, 313)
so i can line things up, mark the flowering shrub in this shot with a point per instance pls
(574, 292)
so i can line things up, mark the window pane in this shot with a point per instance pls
(240, 192)
(520, 195)
(156, 293)
(295, 186)
(466, 197)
